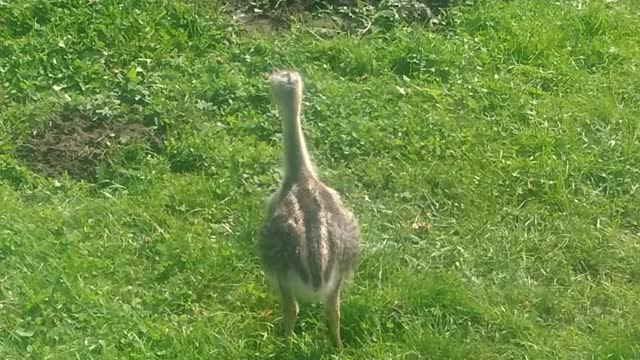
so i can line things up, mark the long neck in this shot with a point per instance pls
(297, 163)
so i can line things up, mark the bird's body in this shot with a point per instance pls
(304, 239)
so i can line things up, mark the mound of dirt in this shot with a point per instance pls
(267, 15)
(75, 144)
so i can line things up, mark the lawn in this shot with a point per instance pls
(492, 155)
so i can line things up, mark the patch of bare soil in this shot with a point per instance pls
(73, 143)
(265, 16)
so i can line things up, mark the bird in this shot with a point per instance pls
(309, 240)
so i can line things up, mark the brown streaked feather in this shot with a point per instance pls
(308, 230)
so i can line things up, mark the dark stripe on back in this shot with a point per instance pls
(330, 209)
(310, 206)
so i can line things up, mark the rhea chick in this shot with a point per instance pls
(309, 240)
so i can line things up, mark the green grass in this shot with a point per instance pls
(512, 130)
